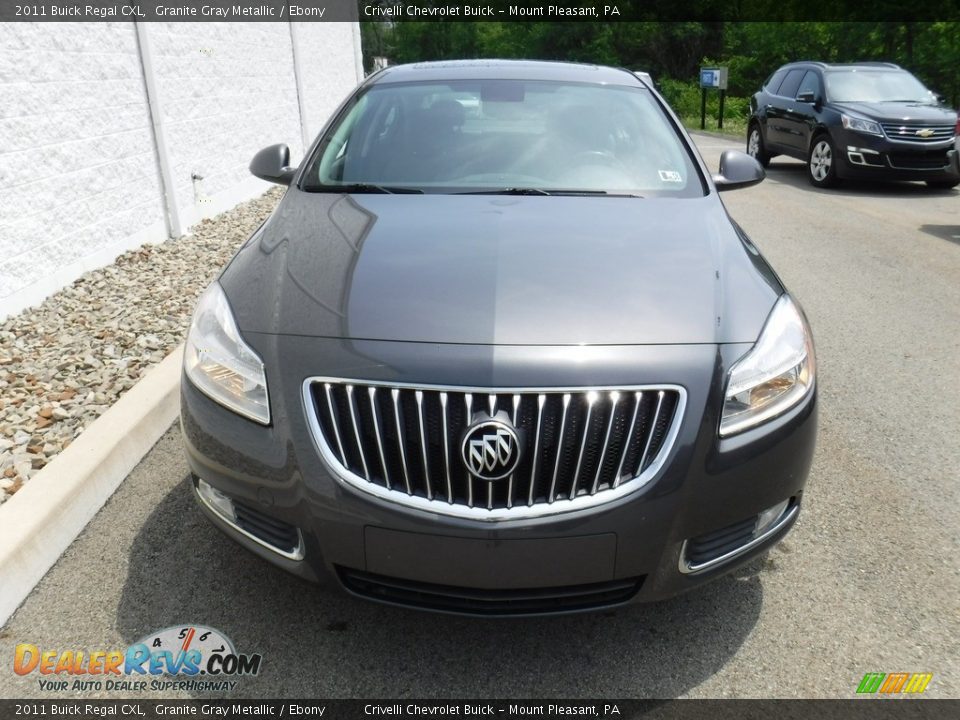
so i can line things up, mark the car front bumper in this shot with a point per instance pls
(864, 156)
(635, 548)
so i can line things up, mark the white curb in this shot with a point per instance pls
(38, 523)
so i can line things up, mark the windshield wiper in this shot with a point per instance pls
(541, 191)
(364, 188)
(507, 191)
(604, 193)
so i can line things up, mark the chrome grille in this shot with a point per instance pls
(907, 132)
(579, 447)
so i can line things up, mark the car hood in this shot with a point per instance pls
(900, 111)
(513, 270)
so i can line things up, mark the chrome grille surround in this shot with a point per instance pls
(907, 132)
(372, 415)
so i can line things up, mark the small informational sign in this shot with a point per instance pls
(713, 78)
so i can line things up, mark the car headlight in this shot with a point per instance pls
(861, 125)
(220, 363)
(777, 373)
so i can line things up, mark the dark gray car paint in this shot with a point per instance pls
(305, 290)
(505, 270)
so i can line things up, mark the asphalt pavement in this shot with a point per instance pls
(868, 581)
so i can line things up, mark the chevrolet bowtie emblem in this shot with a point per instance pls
(925, 133)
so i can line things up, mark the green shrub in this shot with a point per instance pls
(684, 98)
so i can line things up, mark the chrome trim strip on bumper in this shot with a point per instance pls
(561, 505)
(688, 569)
(297, 554)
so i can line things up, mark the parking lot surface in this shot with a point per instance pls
(868, 581)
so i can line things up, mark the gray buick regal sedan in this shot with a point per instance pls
(500, 350)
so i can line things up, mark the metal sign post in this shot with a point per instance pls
(714, 78)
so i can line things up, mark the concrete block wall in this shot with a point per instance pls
(78, 168)
(318, 47)
(82, 158)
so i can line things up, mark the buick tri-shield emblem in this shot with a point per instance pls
(491, 450)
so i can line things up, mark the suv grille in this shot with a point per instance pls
(473, 601)
(919, 160)
(908, 132)
(578, 447)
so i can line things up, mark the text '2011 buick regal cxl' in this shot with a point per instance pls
(500, 350)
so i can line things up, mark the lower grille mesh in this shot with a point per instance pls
(715, 544)
(929, 160)
(277, 533)
(429, 596)
(571, 443)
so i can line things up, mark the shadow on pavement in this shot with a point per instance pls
(792, 172)
(319, 642)
(944, 232)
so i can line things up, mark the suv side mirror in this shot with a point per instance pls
(737, 170)
(808, 96)
(273, 164)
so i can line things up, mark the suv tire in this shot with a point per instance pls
(822, 162)
(755, 145)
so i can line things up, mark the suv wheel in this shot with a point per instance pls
(822, 162)
(942, 184)
(755, 147)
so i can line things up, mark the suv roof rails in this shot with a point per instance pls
(865, 63)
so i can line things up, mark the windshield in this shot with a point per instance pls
(875, 86)
(520, 137)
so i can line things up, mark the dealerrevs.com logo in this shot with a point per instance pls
(184, 657)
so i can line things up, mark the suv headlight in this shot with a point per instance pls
(775, 375)
(220, 363)
(860, 125)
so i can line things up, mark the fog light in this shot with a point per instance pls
(769, 517)
(216, 500)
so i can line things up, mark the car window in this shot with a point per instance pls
(773, 83)
(788, 88)
(810, 83)
(862, 85)
(473, 135)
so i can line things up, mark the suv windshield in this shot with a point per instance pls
(875, 86)
(509, 136)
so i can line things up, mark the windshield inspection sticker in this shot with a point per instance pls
(671, 176)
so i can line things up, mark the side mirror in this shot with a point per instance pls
(737, 170)
(809, 97)
(273, 164)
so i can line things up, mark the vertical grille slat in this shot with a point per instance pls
(423, 445)
(541, 401)
(332, 412)
(591, 401)
(650, 433)
(614, 399)
(637, 399)
(446, 446)
(351, 402)
(375, 412)
(468, 404)
(576, 446)
(401, 439)
(513, 419)
(556, 462)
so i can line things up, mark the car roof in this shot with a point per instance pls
(842, 66)
(505, 70)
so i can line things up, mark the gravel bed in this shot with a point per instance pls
(63, 363)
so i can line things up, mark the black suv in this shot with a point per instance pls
(864, 121)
